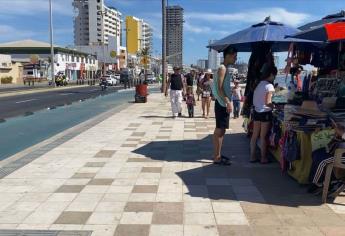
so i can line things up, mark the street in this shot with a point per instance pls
(13, 106)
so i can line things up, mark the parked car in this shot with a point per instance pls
(111, 80)
(117, 77)
(150, 78)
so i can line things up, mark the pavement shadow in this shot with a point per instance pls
(242, 181)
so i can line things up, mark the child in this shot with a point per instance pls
(236, 98)
(190, 101)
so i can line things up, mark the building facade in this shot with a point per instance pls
(203, 64)
(138, 34)
(74, 64)
(94, 23)
(174, 26)
(214, 58)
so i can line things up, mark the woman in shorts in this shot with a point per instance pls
(206, 93)
(262, 114)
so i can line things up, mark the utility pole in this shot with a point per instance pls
(51, 42)
(164, 45)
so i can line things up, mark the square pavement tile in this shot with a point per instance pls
(230, 207)
(200, 230)
(73, 217)
(94, 164)
(231, 219)
(199, 219)
(145, 189)
(101, 182)
(139, 207)
(110, 207)
(143, 218)
(132, 230)
(168, 207)
(226, 230)
(128, 145)
(104, 218)
(151, 169)
(70, 189)
(138, 134)
(166, 230)
(263, 219)
(198, 207)
(84, 175)
(167, 218)
(105, 153)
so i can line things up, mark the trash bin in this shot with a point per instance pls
(141, 93)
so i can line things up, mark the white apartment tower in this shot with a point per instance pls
(213, 57)
(94, 23)
(146, 35)
(174, 26)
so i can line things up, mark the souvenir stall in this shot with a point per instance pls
(303, 119)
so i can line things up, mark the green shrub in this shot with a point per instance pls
(6, 80)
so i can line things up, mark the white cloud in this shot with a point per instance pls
(33, 7)
(252, 16)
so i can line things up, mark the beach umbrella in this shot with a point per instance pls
(328, 32)
(265, 32)
(327, 19)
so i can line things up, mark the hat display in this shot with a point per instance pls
(310, 108)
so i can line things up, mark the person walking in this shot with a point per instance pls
(262, 115)
(190, 101)
(190, 78)
(236, 98)
(198, 84)
(177, 88)
(223, 106)
(206, 86)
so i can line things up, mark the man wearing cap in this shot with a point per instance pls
(177, 86)
(223, 106)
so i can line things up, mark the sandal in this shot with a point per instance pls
(225, 161)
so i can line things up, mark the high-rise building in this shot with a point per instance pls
(203, 64)
(138, 34)
(174, 34)
(213, 57)
(94, 23)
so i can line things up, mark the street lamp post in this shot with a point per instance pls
(163, 46)
(103, 13)
(51, 41)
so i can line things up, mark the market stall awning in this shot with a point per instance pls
(329, 32)
(267, 31)
(327, 19)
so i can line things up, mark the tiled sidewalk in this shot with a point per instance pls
(140, 173)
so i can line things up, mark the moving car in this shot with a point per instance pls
(111, 80)
(150, 78)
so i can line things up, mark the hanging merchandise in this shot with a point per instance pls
(292, 148)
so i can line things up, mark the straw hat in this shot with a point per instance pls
(310, 108)
(209, 71)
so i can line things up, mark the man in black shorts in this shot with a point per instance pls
(223, 113)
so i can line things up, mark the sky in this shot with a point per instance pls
(204, 19)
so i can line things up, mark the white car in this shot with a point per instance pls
(151, 78)
(111, 80)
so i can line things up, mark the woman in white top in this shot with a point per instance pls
(262, 115)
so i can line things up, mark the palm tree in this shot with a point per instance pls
(144, 55)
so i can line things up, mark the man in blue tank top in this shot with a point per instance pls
(223, 106)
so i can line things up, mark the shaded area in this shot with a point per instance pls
(243, 181)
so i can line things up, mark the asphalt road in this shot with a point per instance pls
(28, 103)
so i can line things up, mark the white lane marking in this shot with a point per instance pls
(26, 100)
